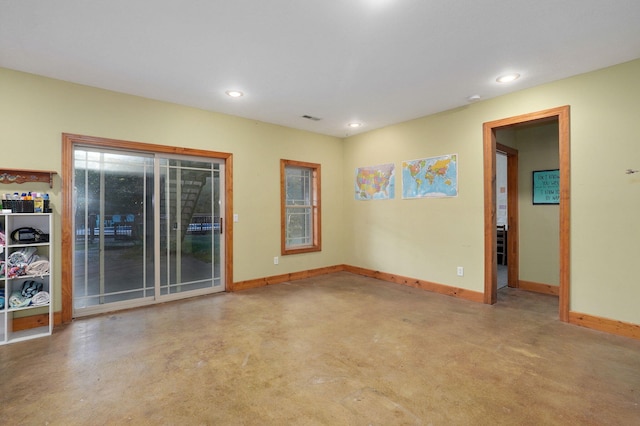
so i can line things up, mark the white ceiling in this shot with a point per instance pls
(378, 62)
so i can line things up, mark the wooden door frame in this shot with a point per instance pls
(562, 114)
(69, 141)
(513, 216)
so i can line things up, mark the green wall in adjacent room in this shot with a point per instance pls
(539, 224)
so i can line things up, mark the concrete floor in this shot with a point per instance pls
(333, 350)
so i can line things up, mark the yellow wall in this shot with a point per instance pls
(424, 239)
(428, 238)
(35, 111)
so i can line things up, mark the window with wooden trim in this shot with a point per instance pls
(300, 207)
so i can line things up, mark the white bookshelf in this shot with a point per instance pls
(10, 316)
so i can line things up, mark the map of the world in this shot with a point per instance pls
(430, 177)
(375, 182)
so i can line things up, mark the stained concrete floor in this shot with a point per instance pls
(338, 349)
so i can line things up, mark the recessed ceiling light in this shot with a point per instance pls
(354, 125)
(474, 98)
(234, 93)
(507, 78)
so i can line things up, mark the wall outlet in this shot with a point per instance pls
(275, 260)
(460, 271)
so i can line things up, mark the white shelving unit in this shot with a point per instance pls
(11, 316)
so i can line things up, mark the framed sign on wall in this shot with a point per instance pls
(546, 186)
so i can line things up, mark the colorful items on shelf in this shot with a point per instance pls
(28, 202)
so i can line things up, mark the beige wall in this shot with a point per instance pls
(428, 238)
(424, 239)
(35, 111)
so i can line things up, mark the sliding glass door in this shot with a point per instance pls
(189, 226)
(147, 228)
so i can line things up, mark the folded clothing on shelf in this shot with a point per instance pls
(38, 267)
(30, 288)
(40, 298)
(26, 261)
(22, 257)
(18, 301)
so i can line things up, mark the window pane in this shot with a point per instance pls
(300, 215)
(299, 223)
(299, 229)
(111, 192)
(298, 186)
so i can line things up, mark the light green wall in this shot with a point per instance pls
(424, 239)
(539, 224)
(35, 111)
(419, 238)
(427, 239)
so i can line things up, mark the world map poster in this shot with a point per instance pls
(375, 182)
(430, 177)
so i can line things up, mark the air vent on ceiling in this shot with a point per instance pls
(310, 117)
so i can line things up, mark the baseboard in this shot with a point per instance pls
(607, 325)
(397, 279)
(539, 287)
(461, 293)
(33, 321)
(277, 279)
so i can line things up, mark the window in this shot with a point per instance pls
(300, 211)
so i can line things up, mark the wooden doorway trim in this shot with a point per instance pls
(562, 115)
(513, 224)
(68, 234)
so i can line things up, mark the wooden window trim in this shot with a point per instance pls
(315, 211)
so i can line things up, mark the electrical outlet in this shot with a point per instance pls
(460, 271)
(275, 260)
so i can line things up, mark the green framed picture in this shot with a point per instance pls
(546, 186)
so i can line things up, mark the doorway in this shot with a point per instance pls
(507, 215)
(142, 224)
(561, 114)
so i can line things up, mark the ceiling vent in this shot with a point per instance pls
(312, 118)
